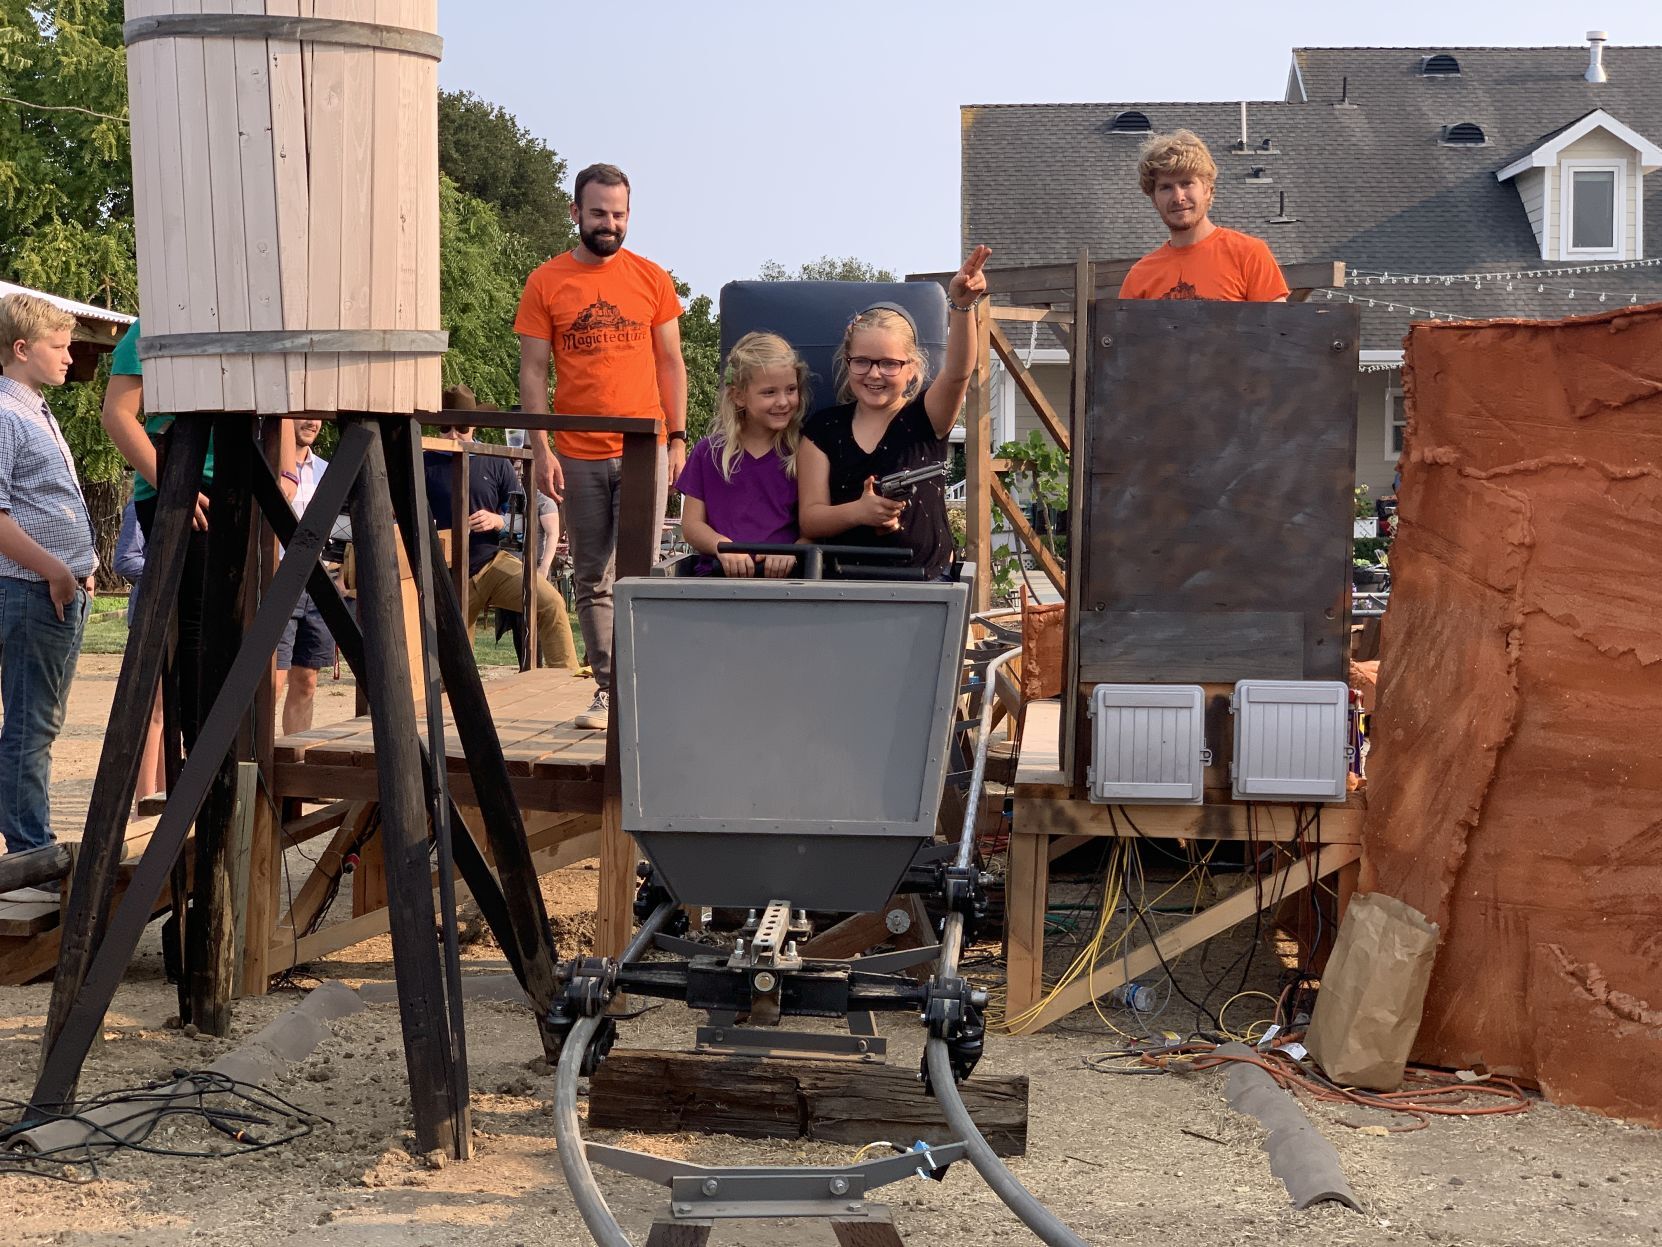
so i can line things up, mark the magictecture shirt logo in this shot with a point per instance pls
(600, 326)
(1182, 290)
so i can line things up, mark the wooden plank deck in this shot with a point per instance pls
(555, 765)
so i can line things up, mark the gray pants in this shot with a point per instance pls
(590, 510)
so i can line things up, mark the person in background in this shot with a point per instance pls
(1200, 260)
(307, 645)
(548, 519)
(139, 436)
(496, 576)
(47, 562)
(129, 562)
(611, 323)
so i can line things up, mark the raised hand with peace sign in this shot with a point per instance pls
(969, 284)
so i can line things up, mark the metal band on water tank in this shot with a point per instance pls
(264, 26)
(285, 341)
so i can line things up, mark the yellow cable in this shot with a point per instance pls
(1222, 1026)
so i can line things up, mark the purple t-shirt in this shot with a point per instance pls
(758, 506)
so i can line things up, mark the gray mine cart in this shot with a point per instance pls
(783, 749)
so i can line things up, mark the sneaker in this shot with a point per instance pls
(598, 715)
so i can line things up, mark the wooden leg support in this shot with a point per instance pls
(875, 1230)
(107, 958)
(669, 1233)
(637, 546)
(112, 791)
(438, 1088)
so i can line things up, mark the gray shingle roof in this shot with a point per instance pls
(1368, 181)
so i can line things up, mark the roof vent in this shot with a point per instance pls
(1259, 174)
(1439, 65)
(1464, 134)
(1130, 122)
(1595, 61)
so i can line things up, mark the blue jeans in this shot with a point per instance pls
(38, 652)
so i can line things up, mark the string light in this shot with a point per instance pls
(1371, 277)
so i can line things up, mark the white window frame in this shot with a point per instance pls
(1567, 169)
(1393, 391)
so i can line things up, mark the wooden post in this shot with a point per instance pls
(1084, 283)
(525, 935)
(1024, 922)
(210, 927)
(637, 544)
(438, 1088)
(533, 535)
(112, 789)
(460, 506)
(265, 841)
(978, 498)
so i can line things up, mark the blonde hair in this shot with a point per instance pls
(26, 318)
(1179, 152)
(887, 320)
(751, 355)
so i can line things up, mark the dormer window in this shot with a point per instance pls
(1130, 122)
(1465, 134)
(1594, 195)
(1441, 65)
(1583, 186)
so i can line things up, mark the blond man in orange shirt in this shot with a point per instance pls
(1200, 260)
(610, 322)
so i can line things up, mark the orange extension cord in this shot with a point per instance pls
(1438, 1094)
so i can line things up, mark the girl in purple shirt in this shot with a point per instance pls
(739, 484)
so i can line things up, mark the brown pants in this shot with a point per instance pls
(499, 584)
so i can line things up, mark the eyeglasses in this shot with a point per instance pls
(860, 365)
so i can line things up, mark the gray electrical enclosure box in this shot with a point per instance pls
(1292, 740)
(785, 740)
(1148, 744)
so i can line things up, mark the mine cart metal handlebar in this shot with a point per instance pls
(821, 562)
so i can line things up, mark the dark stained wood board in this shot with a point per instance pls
(1220, 458)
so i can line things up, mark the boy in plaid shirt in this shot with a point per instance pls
(46, 566)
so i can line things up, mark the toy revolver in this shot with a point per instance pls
(902, 486)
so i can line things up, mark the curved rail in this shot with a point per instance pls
(568, 1131)
(1009, 1189)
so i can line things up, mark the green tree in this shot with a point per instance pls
(701, 348)
(490, 156)
(66, 197)
(482, 271)
(827, 268)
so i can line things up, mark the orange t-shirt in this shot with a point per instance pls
(599, 321)
(1225, 265)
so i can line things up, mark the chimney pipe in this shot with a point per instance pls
(1595, 64)
(1243, 126)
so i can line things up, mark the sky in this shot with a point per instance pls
(789, 130)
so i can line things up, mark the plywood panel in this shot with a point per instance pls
(1221, 443)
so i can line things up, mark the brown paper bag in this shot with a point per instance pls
(1372, 994)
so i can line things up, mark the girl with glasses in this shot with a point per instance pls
(891, 418)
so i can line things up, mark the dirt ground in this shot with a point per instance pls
(1109, 1154)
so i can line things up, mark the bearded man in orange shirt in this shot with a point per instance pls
(610, 322)
(1200, 260)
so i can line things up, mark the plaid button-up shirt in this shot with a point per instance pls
(38, 485)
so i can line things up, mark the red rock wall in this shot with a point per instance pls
(1515, 784)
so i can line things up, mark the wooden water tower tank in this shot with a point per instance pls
(286, 193)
